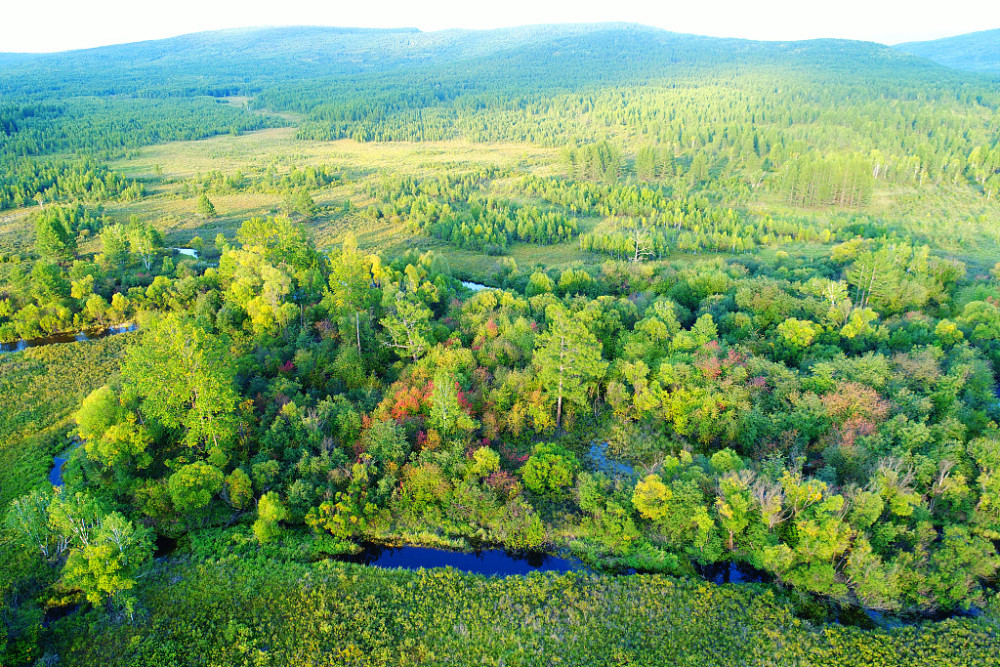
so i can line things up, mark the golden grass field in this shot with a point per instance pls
(171, 206)
(169, 170)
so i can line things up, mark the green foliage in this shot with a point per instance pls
(454, 209)
(55, 235)
(28, 519)
(485, 461)
(230, 610)
(568, 358)
(238, 489)
(269, 512)
(112, 435)
(49, 181)
(98, 412)
(205, 207)
(787, 337)
(105, 567)
(406, 323)
(550, 469)
(651, 498)
(40, 389)
(351, 510)
(193, 486)
(184, 376)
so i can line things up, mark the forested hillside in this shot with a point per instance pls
(736, 309)
(974, 52)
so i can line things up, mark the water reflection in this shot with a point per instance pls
(56, 474)
(77, 337)
(733, 573)
(598, 453)
(490, 562)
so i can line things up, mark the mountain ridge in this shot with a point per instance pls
(971, 52)
(245, 59)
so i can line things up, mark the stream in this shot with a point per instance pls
(504, 563)
(490, 562)
(56, 339)
(500, 562)
(55, 475)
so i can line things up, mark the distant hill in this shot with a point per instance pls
(245, 61)
(542, 83)
(971, 52)
(246, 58)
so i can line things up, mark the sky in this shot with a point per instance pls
(57, 25)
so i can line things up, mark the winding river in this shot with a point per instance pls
(489, 562)
(56, 339)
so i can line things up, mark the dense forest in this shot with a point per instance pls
(736, 309)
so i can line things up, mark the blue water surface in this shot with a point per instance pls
(486, 561)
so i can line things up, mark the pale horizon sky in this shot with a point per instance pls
(59, 25)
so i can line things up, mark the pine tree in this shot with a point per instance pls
(53, 239)
(206, 208)
(568, 359)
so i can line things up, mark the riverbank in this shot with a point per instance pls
(69, 337)
(40, 389)
(300, 546)
(331, 612)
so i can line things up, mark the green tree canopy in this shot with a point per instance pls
(568, 360)
(185, 377)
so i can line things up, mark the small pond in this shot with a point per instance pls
(475, 287)
(56, 339)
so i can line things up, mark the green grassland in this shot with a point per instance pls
(40, 389)
(235, 611)
(361, 164)
(955, 220)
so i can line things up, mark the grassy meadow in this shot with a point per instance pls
(40, 389)
(952, 219)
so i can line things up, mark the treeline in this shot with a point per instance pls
(844, 182)
(97, 129)
(600, 161)
(459, 210)
(269, 180)
(644, 221)
(106, 126)
(604, 199)
(754, 124)
(488, 225)
(693, 229)
(27, 181)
